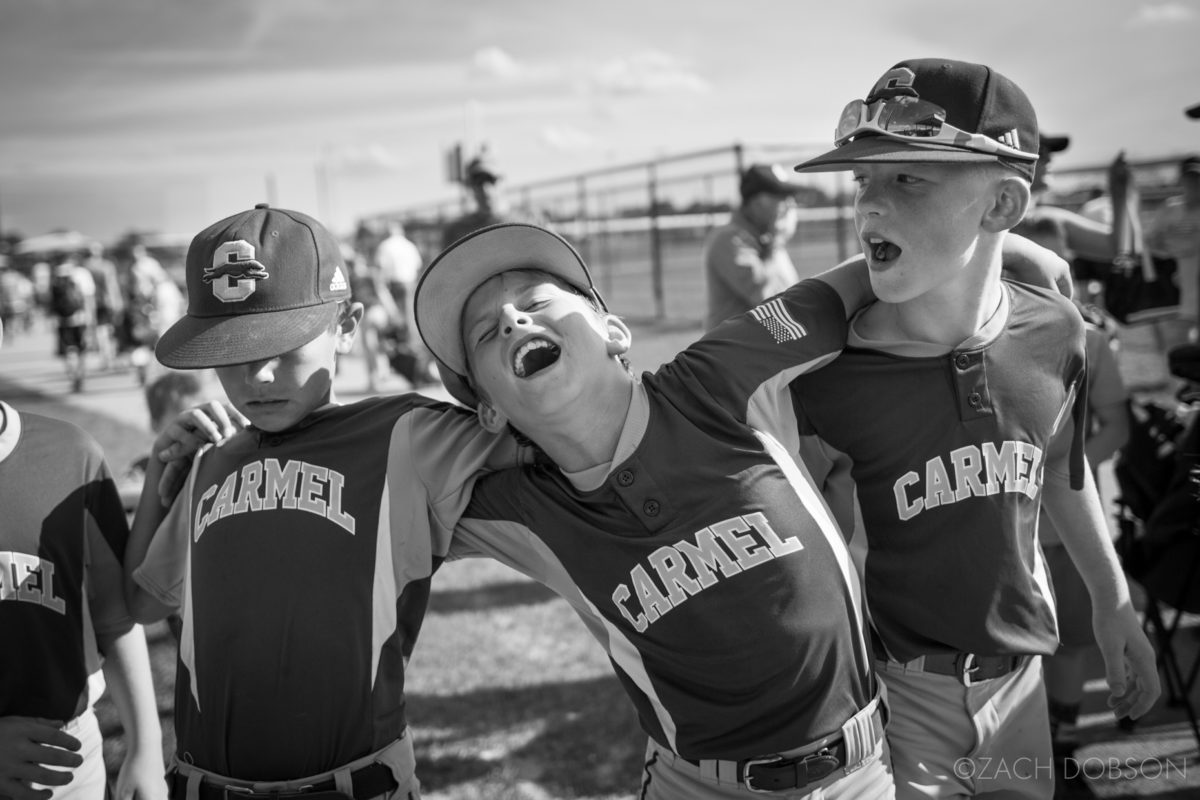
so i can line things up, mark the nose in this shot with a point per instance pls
(262, 371)
(512, 319)
(869, 199)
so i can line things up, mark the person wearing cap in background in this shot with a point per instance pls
(746, 260)
(482, 180)
(934, 428)
(299, 551)
(667, 513)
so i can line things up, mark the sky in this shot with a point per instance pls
(167, 115)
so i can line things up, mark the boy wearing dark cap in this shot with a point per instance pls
(960, 381)
(746, 260)
(670, 516)
(300, 549)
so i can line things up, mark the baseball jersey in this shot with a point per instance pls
(62, 538)
(703, 559)
(301, 563)
(943, 453)
(1104, 388)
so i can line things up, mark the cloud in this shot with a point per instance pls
(646, 73)
(370, 157)
(1162, 14)
(495, 63)
(568, 139)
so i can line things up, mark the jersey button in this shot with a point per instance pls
(651, 507)
(962, 361)
(625, 477)
(974, 399)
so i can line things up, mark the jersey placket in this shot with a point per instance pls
(970, 384)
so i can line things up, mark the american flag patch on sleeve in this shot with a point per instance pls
(773, 316)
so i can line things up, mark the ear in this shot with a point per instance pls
(490, 418)
(1010, 200)
(347, 328)
(620, 338)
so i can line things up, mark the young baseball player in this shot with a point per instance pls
(938, 420)
(300, 549)
(694, 550)
(63, 621)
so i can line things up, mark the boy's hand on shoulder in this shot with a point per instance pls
(29, 748)
(1027, 261)
(1130, 666)
(211, 422)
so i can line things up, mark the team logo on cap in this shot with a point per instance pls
(234, 272)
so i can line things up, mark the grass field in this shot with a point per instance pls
(509, 697)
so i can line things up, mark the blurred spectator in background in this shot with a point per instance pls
(155, 303)
(400, 264)
(17, 300)
(110, 303)
(380, 313)
(482, 179)
(72, 302)
(746, 260)
(1174, 231)
(1085, 243)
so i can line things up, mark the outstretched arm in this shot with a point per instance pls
(127, 674)
(1129, 660)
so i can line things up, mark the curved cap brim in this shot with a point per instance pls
(202, 342)
(453, 276)
(883, 149)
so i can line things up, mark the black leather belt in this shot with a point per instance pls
(369, 781)
(970, 668)
(776, 773)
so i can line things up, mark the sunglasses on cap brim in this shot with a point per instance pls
(910, 118)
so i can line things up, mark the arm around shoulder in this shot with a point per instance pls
(851, 279)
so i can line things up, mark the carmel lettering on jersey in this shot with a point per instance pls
(265, 485)
(673, 573)
(27, 578)
(970, 471)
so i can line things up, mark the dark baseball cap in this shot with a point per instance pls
(767, 179)
(480, 170)
(458, 271)
(975, 99)
(1054, 144)
(260, 283)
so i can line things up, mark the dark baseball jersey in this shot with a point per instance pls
(301, 563)
(62, 538)
(704, 561)
(944, 454)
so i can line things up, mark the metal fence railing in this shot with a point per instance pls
(641, 227)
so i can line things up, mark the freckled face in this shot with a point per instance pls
(918, 224)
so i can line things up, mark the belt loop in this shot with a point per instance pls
(860, 735)
(193, 785)
(343, 782)
(727, 772)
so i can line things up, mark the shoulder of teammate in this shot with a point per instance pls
(1028, 262)
(852, 281)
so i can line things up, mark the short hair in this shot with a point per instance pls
(169, 393)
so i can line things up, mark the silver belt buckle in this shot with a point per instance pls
(752, 762)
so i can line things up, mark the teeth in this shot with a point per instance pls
(524, 350)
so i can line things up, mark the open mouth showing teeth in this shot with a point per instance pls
(534, 356)
(882, 250)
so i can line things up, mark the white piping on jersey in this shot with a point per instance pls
(383, 593)
(802, 483)
(515, 545)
